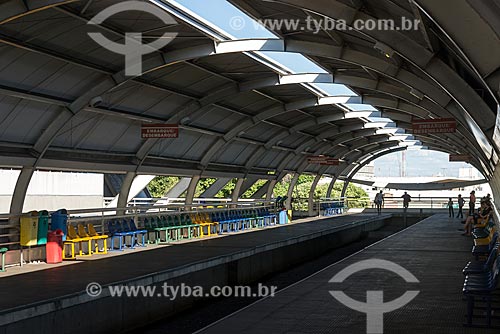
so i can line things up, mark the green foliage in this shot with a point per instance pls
(253, 189)
(203, 185)
(162, 184)
(303, 187)
(227, 190)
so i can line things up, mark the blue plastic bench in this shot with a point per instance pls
(480, 287)
(138, 233)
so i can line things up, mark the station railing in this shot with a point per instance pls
(138, 209)
(300, 206)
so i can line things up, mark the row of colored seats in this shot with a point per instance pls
(482, 274)
(170, 228)
(162, 229)
(240, 220)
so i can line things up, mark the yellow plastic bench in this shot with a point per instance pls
(94, 236)
(72, 238)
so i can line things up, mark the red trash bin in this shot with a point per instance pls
(54, 246)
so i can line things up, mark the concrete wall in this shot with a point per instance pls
(80, 313)
(54, 190)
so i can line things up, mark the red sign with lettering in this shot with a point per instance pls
(151, 131)
(325, 161)
(438, 125)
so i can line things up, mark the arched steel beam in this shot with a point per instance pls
(352, 155)
(426, 106)
(348, 170)
(139, 155)
(428, 63)
(487, 9)
(229, 48)
(357, 169)
(15, 9)
(379, 102)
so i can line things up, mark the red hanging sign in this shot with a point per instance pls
(151, 131)
(438, 125)
(325, 161)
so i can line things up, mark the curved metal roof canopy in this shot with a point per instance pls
(65, 102)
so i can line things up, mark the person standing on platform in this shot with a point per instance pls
(461, 203)
(406, 200)
(450, 208)
(472, 202)
(379, 200)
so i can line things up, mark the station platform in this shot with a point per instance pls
(47, 296)
(434, 251)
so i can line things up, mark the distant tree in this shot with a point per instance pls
(227, 191)
(253, 189)
(203, 185)
(161, 185)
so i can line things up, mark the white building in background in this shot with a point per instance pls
(367, 172)
(469, 173)
(54, 190)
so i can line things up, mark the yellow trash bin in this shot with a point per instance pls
(29, 229)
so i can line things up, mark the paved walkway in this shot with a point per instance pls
(36, 287)
(433, 251)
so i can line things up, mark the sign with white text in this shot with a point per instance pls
(438, 125)
(154, 131)
(325, 161)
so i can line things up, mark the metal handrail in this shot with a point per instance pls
(134, 211)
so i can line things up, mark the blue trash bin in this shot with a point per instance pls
(59, 220)
(283, 217)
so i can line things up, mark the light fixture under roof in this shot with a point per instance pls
(418, 94)
(387, 51)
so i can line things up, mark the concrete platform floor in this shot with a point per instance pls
(34, 285)
(432, 250)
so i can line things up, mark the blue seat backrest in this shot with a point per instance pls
(132, 226)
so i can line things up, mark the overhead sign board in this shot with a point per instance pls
(325, 161)
(460, 157)
(152, 131)
(438, 125)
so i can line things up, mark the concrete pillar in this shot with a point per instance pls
(344, 188)
(19, 195)
(179, 188)
(270, 188)
(293, 182)
(330, 187)
(124, 191)
(261, 192)
(191, 189)
(215, 187)
(236, 191)
(310, 203)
